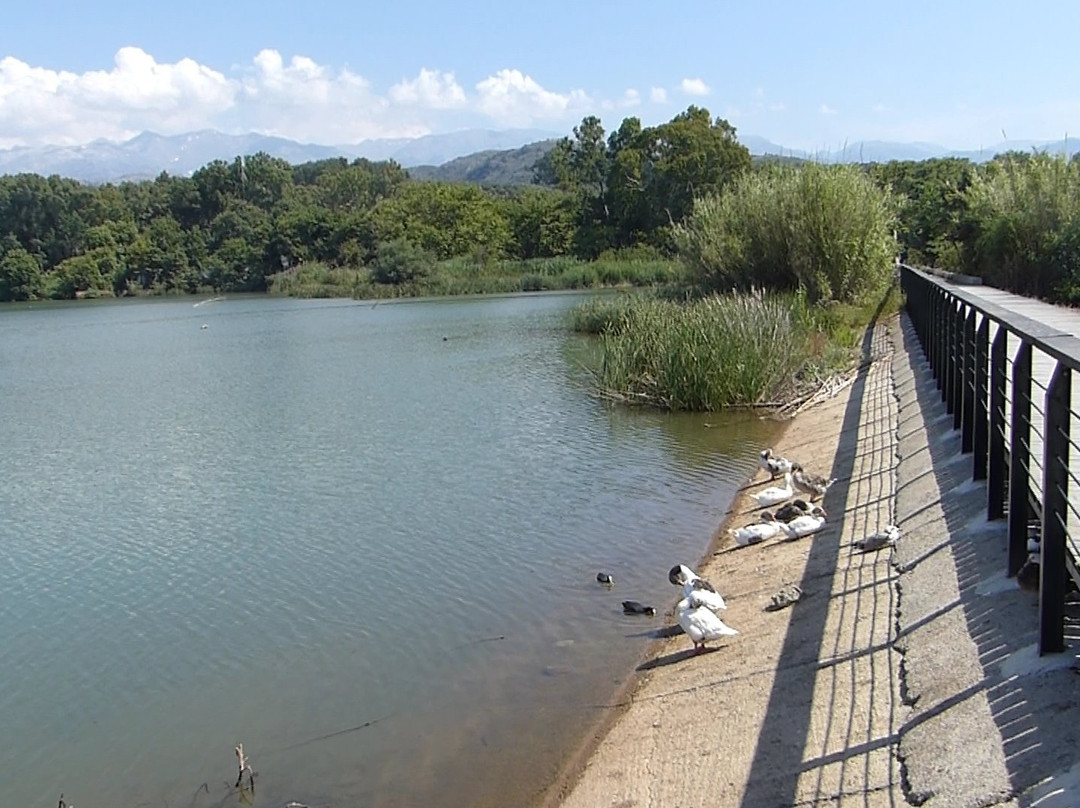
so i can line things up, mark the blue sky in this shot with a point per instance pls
(810, 76)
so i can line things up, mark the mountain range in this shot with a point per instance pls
(472, 155)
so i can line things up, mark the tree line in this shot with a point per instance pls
(233, 226)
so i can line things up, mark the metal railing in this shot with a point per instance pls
(989, 363)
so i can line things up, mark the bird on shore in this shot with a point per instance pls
(813, 484)
(774, 464)
(692, 583)
(793, 510)
(774, 495)
(805, 525)
(752, 534)
(792, 593)
(700, 622)
(879, 540)
(633, 607)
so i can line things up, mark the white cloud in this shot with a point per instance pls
(294, 96)
(658, 95)
(138, 93)
(513, 98)
(694, 87)
(825, 109)
(432, 89)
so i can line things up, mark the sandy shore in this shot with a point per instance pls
(709, 730)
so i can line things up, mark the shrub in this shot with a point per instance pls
(400, 261)
(825, 229)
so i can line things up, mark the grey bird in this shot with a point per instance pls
(880, 539)
(813, 484)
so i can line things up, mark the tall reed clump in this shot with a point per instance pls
(825, 229)
(720, 351)
(1025, 214)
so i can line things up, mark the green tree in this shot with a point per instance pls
(20, 275)
(400, 261)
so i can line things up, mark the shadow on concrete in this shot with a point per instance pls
(778, 760)
(1036, 710)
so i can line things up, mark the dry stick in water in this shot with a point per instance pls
(244, 766)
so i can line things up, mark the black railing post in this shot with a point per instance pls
(982, 392)
(959, 322)
(1055, 507)
(1019, 457)
(947, 366)
(942, 328)
(933, 332)
(967, 384)
(995, 495)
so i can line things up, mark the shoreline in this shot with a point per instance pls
(622, 699)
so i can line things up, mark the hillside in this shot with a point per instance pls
(492, 167)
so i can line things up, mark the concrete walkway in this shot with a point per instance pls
(990, 723)
(903, 676)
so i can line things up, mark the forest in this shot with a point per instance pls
(636, 205)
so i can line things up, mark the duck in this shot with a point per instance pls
(700, 622)
(694, 584)
(752, 534)
(633, 607)
(881, 539)
(813, 484)
(793, 510)
(805, 525)
(605, 578)
(774, 464)
(775, 494)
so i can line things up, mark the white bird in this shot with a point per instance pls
(700, 622)
(774, 464)
(752, 534)
(879, 540)
(805, 525)
(694, 584)
(774, 495)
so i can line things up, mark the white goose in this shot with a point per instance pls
(774, 495)
(752, 534)
(700, 622)
(694, 584)
(805, 525)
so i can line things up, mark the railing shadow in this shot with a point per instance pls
(1033, 705)
(783, 766)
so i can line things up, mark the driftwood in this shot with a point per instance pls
(244, 766)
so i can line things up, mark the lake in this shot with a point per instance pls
(361, 539)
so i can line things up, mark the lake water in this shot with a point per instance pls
(362, 540)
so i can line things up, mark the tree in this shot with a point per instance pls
(400, 261)
(20, 275)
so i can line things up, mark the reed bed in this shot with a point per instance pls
(741, 349)
(466, 276)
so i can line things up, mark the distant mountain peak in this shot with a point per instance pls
(148, 153)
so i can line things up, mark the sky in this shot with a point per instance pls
(813, 76)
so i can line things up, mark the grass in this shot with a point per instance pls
(464, 276)
(743, 349)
